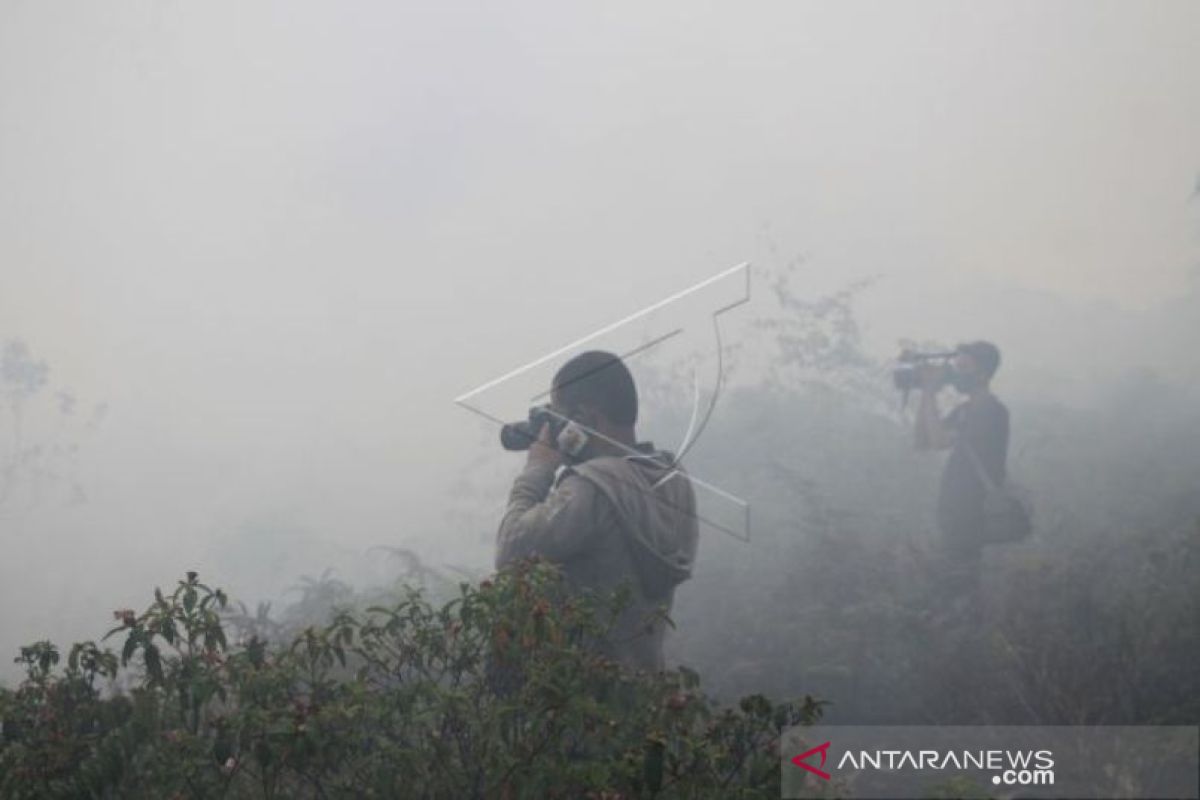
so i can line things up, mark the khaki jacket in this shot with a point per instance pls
(606, 521)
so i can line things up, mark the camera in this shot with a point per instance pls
(567, 437)
(908, 378)
(520, 435)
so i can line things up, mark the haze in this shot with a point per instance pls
(277, 239)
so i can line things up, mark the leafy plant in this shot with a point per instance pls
(496, 693)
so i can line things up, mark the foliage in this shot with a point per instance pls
(496, 693)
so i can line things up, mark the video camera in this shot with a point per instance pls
(908, 377)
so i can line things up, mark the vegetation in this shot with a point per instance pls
(495, 693)
(1096, 620)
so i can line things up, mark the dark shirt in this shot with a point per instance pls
(982, 424)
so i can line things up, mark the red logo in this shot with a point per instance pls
(823, 749)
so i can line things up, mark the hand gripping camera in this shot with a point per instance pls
(568, 437)
(908, 377)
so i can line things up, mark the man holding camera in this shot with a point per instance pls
(618, 513)
(976, 433)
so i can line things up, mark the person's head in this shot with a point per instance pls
(596, 390)
(974, 365)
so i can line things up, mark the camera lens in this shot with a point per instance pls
(517, 435)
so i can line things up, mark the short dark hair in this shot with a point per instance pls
(985, 354)
(599, 379)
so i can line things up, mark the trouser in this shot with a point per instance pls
(960, 564)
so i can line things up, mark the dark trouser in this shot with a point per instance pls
(960, 560)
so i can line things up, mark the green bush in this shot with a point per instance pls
(497, 693)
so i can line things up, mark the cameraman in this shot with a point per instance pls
(618, 512)
(975, 432)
